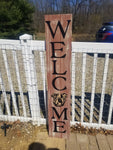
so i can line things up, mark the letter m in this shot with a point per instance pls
(61, 28)
(59, 115)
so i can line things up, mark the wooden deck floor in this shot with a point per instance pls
(89, 142)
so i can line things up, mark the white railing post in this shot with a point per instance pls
(30, 77)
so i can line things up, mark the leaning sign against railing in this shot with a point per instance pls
(58, 53)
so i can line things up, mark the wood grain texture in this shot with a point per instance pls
(83, 141)
(71, 143)
(58, 30)
(92, 143)
(102, 142)
(110, 141)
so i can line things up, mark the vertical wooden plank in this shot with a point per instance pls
(58, 54)
(93, 86)
(110, 109)
(43, 74)
(27, 75)
(10, 81)
(73, 87)
(35, 95)
(4, 95)
(30, 72)
(19, 82)
(103, 87)
(83, 85)
(34, 87)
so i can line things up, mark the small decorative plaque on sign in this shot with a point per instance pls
(58, 29)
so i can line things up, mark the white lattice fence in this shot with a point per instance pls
(92, 84)
(23, 82)
(23, 78)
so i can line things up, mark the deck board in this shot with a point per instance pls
(92, 143)
(110, 141)
(102, 142)
(79, 141)
(83, 141)
(72, 143)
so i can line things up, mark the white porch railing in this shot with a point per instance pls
(93, 98)
(23, 82)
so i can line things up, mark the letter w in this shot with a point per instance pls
(60, 26)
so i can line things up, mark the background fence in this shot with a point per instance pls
(23, 82)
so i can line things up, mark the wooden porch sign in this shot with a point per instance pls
(58, 30)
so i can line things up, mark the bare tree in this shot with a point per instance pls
(88, 15)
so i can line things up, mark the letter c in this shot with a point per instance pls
(53, 83)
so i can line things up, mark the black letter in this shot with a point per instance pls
(59, 116)
(60, 26)
(60, 126)
(53, 83)
(54, 68)
(53, 50)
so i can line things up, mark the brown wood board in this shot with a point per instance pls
(58, 30)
